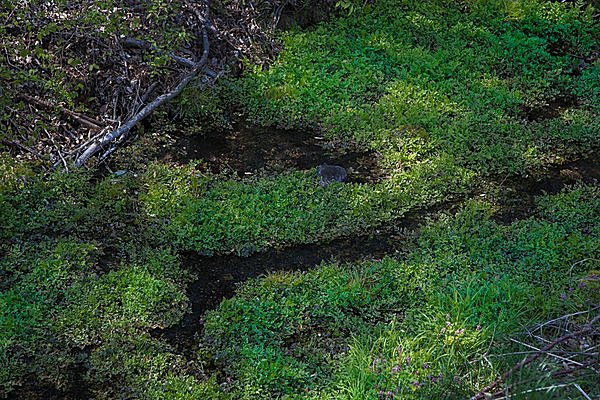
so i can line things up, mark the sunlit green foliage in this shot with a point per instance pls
(411, 326)
(476, 78)
(225, 216)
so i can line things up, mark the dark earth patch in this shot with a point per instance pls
(77, 389)
(516, 197)
(269, 151)
(554, 108)
(218, 277)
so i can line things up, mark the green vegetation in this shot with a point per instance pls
(453, 81)
(447, 96)
(227, 216)
(446, 93)
(410, 326)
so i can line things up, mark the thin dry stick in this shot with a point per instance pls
(566, 316)
(537, 350)
(499, 395)
(568, 371)
(57, 150)
(586, 329)
(82, 119)
(583, 393)
(579, 262)
(502, 394)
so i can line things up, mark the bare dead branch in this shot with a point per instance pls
(144, 45)
(81, 118)
(585, 330)
(20, 146)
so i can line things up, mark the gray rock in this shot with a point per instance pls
(331, 173)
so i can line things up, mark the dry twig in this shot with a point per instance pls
(488, 389)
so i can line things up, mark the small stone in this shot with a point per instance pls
(331, 173)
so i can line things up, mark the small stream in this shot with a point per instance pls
(218, 276)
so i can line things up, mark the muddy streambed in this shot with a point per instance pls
(218, 276)
(268, 151)
(515, 197)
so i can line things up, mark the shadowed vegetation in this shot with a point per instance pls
(454, 103)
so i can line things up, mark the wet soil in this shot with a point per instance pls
(33, 389)
(552, 109)
(515, 197)
(218, 277)
(247, 151)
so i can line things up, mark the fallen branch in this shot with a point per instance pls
(149, 108)
(144, 45)
(76, 150)
(487, 390)
(114, 146)
(20, 146)
(82, 119)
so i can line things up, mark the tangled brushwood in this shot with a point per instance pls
(556, 354)
(77, 76)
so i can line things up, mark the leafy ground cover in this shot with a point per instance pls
(421, 326)
(448, 96)
(444, 93)
(425, 324)
(489, 85)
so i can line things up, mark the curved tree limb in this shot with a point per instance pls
(149, 108)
